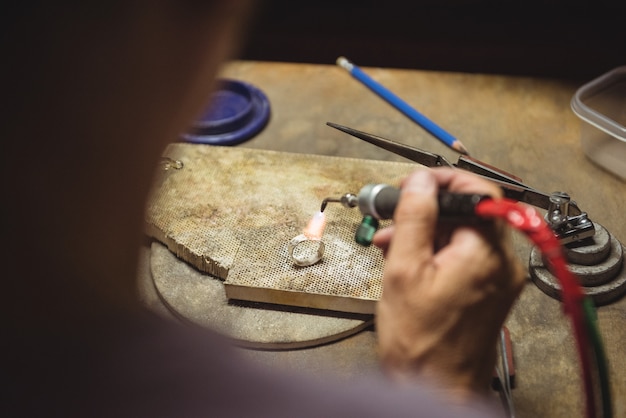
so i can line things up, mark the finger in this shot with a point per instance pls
(478, 257)
(466, 254)
(415, 219)
(382, 238)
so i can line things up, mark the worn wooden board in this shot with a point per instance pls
(231, 212)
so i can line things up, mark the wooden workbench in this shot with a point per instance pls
(522, 125)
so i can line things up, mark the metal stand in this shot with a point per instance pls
(598, 261)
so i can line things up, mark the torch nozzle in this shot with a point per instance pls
(348, 200)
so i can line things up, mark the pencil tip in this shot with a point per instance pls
(459, 147)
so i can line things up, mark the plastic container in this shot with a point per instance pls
(601, 103)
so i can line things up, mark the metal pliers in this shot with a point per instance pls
(568, 222)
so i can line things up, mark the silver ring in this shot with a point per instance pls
(305, 251)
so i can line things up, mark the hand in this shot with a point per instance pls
(446, 294)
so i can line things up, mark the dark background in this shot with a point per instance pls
(552, 38)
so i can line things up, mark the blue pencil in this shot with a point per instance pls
(402, 106)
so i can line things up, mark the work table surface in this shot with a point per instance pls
(522, 125)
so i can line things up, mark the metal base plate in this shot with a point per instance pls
(603, 275)
(199, 299)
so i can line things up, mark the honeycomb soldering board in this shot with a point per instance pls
(231, 212)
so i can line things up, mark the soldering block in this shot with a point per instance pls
(231, 212)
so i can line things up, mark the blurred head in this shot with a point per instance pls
(93, 92)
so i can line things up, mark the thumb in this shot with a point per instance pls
(415, 218)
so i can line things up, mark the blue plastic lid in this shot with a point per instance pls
(237, 112)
